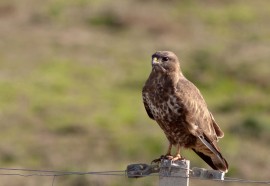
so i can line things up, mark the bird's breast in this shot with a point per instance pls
(165, 108)
(169, 112)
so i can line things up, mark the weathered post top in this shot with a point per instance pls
(174, 173)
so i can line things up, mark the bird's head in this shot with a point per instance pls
(165, 61)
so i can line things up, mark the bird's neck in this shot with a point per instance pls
(168, 77)
(174, 77)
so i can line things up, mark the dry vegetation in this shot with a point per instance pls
(71, 74)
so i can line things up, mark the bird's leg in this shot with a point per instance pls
(166, 156)
(178, 155)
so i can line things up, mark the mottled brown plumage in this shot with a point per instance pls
(181, 112)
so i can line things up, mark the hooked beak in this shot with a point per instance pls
(155, 61)
(156, 64)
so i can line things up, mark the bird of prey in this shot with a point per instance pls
(180, 110)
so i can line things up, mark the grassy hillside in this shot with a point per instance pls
(71, 74)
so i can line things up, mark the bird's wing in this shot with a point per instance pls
(218, 130)
(200, 121)
(147, 107)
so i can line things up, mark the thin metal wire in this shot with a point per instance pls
(238, 180)
(229, 179)
(55, 173)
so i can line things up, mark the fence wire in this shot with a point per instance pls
(55, 173)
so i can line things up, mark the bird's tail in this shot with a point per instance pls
(217, 162)
(209, 152)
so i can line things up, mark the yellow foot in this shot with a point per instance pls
(177, 157)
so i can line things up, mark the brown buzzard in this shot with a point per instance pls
(181, 112)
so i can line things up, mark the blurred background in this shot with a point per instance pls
(71, 74)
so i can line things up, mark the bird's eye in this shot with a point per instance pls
(165, 59)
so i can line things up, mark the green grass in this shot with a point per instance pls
(71, 74)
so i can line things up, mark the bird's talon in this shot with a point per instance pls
(168, 157)
(177, 158)
(162, 157)
(158, 160)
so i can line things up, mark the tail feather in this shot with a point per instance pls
(211, 154)
(216, 163)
